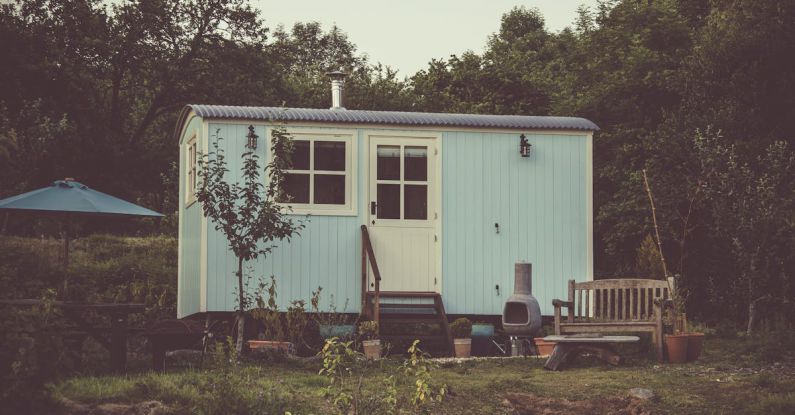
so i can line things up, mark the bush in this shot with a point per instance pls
(461, 328)
(368, 330)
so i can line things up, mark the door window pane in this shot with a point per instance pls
(330, 189)
(416, 202)
(415, 163)
(300, 157)
(388, 162)
(330, 155)
(388, 201)
(297, 188)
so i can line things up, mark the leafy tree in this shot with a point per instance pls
(247, 213)
(753, 203)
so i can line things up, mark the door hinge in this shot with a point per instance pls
(436, 151)
(435, 215)
(434, 281)
(435, 238)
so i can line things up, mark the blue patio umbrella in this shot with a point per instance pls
(67, 198)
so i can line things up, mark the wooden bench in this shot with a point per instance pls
(614, 306)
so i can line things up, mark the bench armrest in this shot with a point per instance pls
(561, 303)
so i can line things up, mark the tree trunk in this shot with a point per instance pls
(241, 312)
(754, 314)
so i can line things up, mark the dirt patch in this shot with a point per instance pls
(144, 408)
(528, 404)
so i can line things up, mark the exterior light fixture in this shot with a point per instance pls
(524, 146)
(251, 144)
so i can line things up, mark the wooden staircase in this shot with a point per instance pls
(402, 308)
(413, 310)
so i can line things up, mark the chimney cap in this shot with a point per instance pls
(337, 75)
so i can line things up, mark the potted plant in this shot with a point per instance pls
(273, 337)
(544, 347)
(370, 342)
(677, 344)
(462, 340)
(331, 323)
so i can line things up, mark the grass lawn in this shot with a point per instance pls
(733, 376)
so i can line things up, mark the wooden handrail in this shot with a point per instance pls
(368, 254)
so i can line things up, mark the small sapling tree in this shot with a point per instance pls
(247, 211)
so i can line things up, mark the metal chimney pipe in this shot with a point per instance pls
(337, 84)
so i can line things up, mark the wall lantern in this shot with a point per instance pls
(252, 138)
(524, 146)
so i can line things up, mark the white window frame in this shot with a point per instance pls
(350, 208)
(191, 170)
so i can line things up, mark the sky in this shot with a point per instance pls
(407, 34)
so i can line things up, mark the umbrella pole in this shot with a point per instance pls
(66, 256)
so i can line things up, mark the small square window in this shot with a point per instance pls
(321, 179)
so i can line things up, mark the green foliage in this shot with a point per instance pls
(297, 321)
(418, 366)
(461, 328)
(248, 213)
(267, 313)
(648, 263)
(368, 330)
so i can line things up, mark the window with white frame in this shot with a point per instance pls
(191, 154)
(321, 180)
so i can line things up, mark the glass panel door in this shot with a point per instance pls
(401, 182)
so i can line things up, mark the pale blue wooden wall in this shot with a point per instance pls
(325, 254)
(190, 232)
(539, 203)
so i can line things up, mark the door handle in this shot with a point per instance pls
(373, 208)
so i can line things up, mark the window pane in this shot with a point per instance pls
(300, 155)
(330, 189)
(330, 155)
(297, 188)
(388, 162)
(415, 163)
(416, 202)
(388, 201)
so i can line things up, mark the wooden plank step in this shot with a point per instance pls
(399, 305)
(410, 320)
(405, 294)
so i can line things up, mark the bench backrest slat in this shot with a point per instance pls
(628, 299)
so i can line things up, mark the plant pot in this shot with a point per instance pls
(544, 347)
(695, 343)
(676, 345)
(343, 331)
(463, 347)
(272, 345)
(372, 349)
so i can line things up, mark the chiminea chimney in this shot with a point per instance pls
(337, 83)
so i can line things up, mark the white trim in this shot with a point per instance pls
(180, 214)
(205, 143)
(589, 207)
(350, 137)
(187, 122)
(438, 215)
(396, 129)
(190, 192)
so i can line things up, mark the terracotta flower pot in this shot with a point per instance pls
(372, 349)
(676, 345)
(279, 346)
(543, 347)
(695, 343)
(463, 347)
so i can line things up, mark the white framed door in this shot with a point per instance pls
(403, 212)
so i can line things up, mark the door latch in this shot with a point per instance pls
(373, 206)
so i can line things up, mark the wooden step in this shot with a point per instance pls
(405, 294)
(399, 305)
(409, 320)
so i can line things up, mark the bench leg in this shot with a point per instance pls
(566, 352)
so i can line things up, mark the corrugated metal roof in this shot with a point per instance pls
(526, 122)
